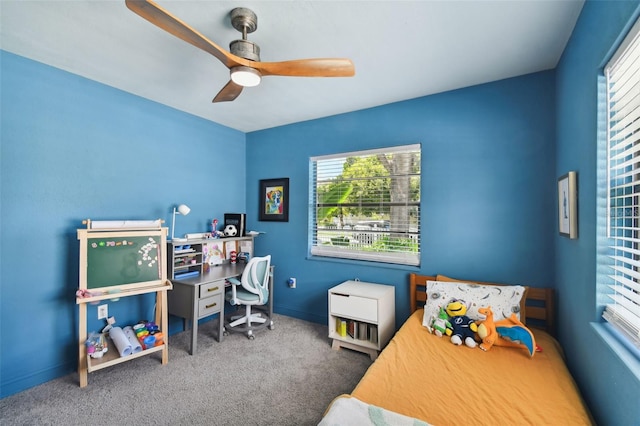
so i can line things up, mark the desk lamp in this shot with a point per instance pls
(184, 210)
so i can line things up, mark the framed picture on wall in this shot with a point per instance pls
(274, 200)
(568, 205)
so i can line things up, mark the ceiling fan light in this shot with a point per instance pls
(245, 76)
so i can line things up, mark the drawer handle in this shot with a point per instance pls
(211, 305)
(341, 295)
(213, 289)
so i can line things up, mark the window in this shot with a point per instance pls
(623, 188)
(366, 205)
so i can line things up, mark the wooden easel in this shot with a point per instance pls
(95, 286)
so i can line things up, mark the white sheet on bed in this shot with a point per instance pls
(350, 411)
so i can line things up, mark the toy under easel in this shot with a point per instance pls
(120, 259)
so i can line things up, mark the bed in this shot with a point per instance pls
(420, 378)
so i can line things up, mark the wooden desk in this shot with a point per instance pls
(194, 298)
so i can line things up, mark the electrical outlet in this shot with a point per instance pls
(103, 311)
(292, 283)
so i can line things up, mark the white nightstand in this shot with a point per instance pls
(362, 316)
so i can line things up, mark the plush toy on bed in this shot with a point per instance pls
(462, 327)
(506, 332)
(439, 325)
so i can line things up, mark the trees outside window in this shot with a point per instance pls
(366, 205)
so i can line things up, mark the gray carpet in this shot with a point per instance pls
(286, 376)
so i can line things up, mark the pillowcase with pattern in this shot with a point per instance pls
(503, 299)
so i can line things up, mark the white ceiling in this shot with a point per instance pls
(401, 50)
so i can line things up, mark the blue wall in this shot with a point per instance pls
(597, 369)
(488, 188)
(74, 149)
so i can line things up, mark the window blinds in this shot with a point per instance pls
(365, 205)
(623, 101)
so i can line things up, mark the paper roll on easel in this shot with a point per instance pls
(120, 340)
(133, 340)
(119, 224)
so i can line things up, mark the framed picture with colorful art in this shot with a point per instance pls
(274, 200)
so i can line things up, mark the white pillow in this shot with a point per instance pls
(503, 299)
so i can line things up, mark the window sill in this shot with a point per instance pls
(630, 356)
(363, 263)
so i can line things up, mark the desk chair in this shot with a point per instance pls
(251, 290)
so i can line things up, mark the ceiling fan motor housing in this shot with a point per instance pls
(245, 49)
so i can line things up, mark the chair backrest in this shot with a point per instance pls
(255, 277)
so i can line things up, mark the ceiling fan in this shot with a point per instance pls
(243, 57)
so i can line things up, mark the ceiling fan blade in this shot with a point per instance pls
(321, 67)
(161, 18)
(228, 93)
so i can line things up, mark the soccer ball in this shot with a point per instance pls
(230, 231)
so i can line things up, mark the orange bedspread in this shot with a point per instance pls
(427, 377)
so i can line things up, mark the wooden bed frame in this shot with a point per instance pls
(539, 302)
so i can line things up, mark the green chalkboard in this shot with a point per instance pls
(120, 260)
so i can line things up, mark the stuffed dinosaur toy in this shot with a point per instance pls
(439, 325)
(462, 327)
(506, 332)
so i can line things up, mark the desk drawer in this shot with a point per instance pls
(210, 305)
(209, 289)
(356, 307)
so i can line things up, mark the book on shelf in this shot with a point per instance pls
(352, 329)
(341, 327)
(238, 220)
(373, 333)
(362, 331)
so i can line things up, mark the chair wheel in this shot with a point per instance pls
(272, 326)
(251, 337)
(225, 333)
